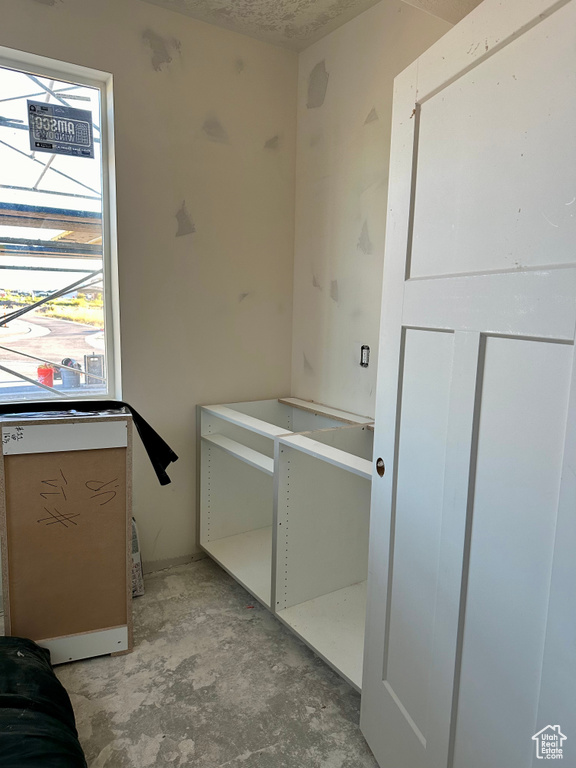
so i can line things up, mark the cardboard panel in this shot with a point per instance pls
(66, 542)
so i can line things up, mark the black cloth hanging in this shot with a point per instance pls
(158, 450)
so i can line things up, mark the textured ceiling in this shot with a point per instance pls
(296, 23)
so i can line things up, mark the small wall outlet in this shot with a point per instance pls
(364, 355)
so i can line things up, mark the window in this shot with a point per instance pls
(58, 285)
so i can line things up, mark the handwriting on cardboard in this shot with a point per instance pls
(65, 504)
(15, 434)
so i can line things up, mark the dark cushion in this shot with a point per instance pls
(37, 725)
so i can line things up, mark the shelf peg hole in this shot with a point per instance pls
(380, 467)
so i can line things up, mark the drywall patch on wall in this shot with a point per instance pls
(341, 194)
(239, 65)
(334, 290)
(243, 296)
(214, 130)
(160, 47)
(317, 85)
(184, 220)
(364, 242)
(372, 116)
(240, 199)
(315, 282)
(273, 143)
(316, 138)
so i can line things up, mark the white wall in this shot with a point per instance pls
(205, 317)
(341, 192)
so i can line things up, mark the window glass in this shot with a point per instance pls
(53, 291)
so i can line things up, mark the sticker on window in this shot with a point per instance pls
(60, 130)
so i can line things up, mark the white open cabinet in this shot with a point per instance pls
(237, 485)
(322, 525)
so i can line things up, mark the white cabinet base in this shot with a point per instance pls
(247, 557)
(285, 499)
(86, 645)
(333, 626)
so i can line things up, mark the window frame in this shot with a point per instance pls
(42, 66)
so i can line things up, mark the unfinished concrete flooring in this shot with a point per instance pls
(214, 681)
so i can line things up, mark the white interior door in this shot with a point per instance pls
(471, 632)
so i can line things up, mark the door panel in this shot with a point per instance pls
(557, 702)
(424, 415)
(508, 195)
(518, 467)
(471, 628)
(528, 303)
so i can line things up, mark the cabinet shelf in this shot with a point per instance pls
(338, 458)
(247, 557)
(247, 455)
(324, 410)
(323, 509)
(245, 421)
(333, 626)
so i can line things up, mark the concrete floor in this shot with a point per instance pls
(214, 681)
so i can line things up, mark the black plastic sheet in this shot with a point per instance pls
(158, 450)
